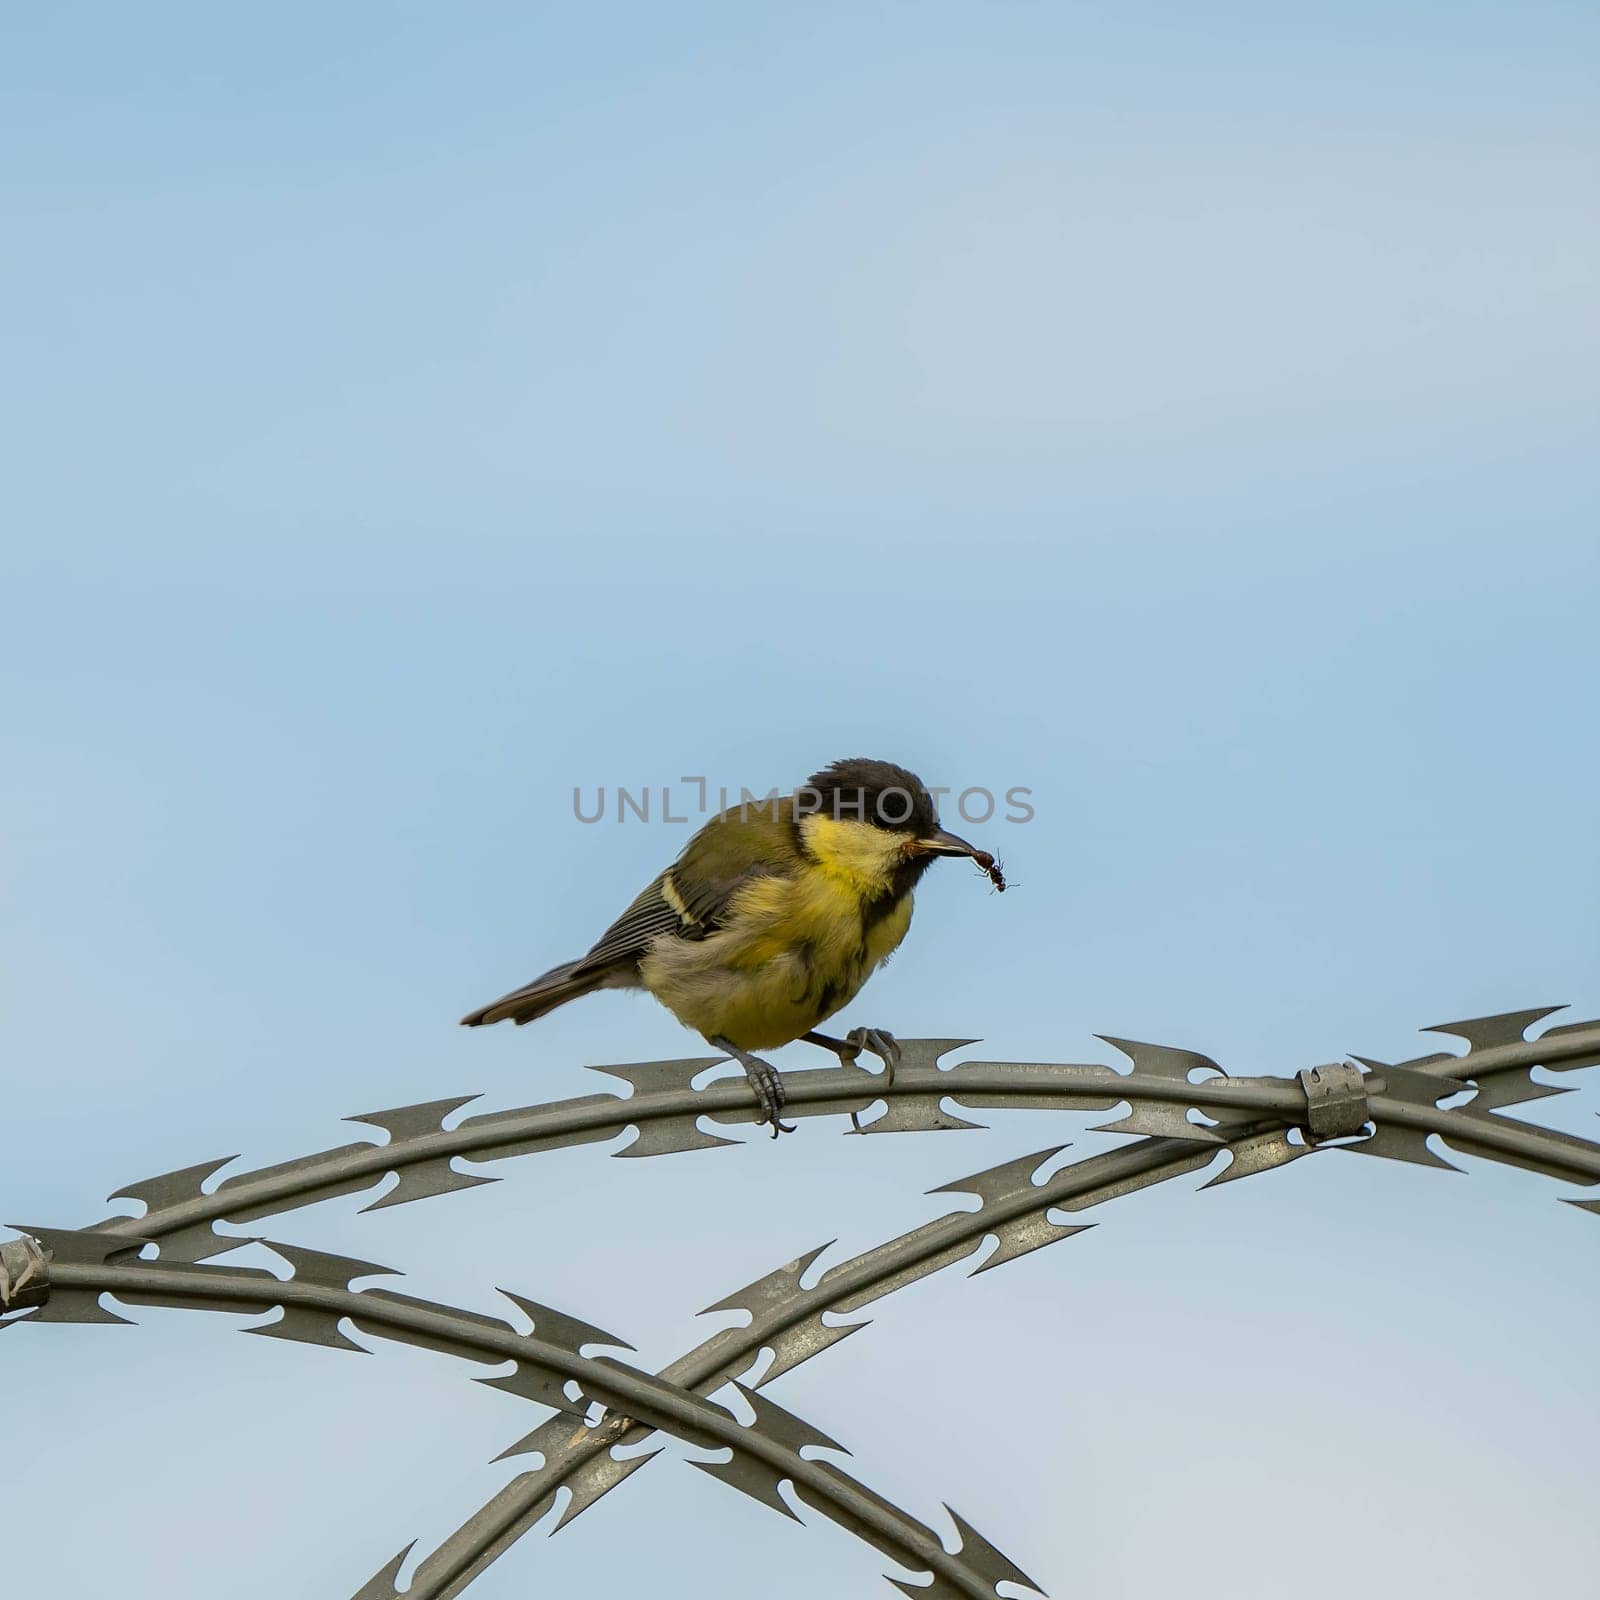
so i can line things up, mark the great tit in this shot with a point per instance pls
(773, 917)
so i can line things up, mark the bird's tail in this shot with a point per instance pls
(554, 988)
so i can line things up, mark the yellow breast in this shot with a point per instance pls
(793, 950)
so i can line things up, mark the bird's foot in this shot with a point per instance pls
(879, 1041)
(766, 1083)
(769, 1092)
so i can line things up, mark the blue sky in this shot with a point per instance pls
(417, 412)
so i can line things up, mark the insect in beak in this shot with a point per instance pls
(943, 843)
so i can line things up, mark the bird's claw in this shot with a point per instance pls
(764, 1082)
(880, 1042)
(770, 1095)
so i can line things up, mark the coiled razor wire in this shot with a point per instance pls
(1373, 1108)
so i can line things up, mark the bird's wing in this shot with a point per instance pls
(690, 899)
(649, 917)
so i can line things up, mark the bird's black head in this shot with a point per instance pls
(875, 825)
(878, 792)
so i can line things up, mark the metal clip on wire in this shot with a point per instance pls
(24, 1274)
(1336, 1101)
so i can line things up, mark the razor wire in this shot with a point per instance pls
(788, 1320)
(1250, 1118)
(664, 1107)
(549, 1368)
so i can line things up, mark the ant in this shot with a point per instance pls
(991, 865)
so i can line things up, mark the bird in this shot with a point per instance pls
(771, 919)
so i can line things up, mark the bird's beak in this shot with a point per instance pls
(941, 843)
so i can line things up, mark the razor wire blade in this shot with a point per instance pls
(1183, 1109)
